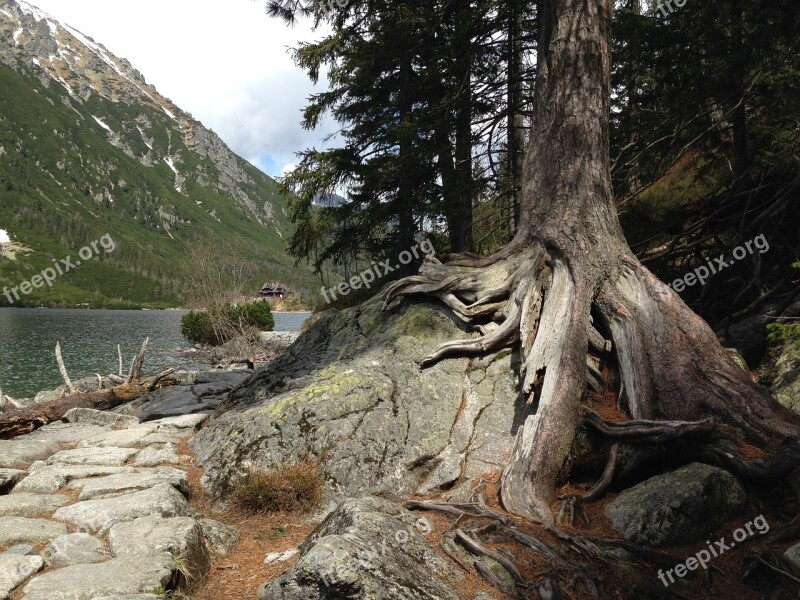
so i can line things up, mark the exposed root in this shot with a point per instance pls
(648, 432)
(600, 488)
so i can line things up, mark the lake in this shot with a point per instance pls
(89, 341)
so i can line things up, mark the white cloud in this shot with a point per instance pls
(4, 239)
(226, 63)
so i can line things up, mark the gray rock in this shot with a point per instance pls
(680, 507)
(110, 457)
(180, 536)
(219, 536)
(134, 597)
(51, 478)
(102, 514)
(366, 549)
(184, 421)
(170, 402)
(124, 438)
(126, 483)
(30, 505)
(16, 569)
(793, 556)
(350, 388)
(64, 433)
(23, 451)
(74, 549)
(786, 383)
(9, 478)
(22, 550)
(89, 416)
(131, 575)
(275, 557)
(21, 530)
(153, 457)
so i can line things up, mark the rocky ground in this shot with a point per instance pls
(97, 506)
(110, 505)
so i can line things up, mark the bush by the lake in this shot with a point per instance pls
(217, 325)
(290, 489)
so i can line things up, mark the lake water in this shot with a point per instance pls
(89, 341)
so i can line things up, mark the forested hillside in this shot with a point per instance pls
(88, 148)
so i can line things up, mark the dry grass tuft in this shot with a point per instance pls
(291, 489)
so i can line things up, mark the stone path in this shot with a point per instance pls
(96, 507)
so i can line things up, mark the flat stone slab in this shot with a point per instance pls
(127, 483)
(9, 478)
(153, 456)
(170, 402)
(180, 536)
(131, 575)
(135, 597)
(22, 452)
(16, 569)
(64, 433)
(101, 514)
(109, 457)
(90, 416)
(124, 438)
(21, 530)
(75, 549)
(22, 550)
(31, 505)
(47, 479)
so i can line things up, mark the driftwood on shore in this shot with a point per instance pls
(27, 419)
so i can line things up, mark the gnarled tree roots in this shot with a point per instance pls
(571, 316)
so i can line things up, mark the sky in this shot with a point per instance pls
(225, 63)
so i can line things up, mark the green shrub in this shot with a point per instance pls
(198, 328)
(257, 314)
(291, 489)
(220, 324)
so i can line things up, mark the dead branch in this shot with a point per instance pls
(135, 373)
(63, 370)
(119, 354)
(24, 420)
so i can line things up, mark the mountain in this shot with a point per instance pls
(89, 148)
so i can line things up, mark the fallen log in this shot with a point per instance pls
(25, 420)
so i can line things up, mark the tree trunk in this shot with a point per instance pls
(569, 279)
(516, 122)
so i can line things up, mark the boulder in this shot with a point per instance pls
(786, 383)
(15, 569)
(9, 478)
(793, 556)
(75, 549)
(367, 549)
(127, 576)
(180, 536)
(101, 514)
(680, 507)
(21, 530)
(90, 416)
(109, 457)
(350, 389)
(219, 536)
(30, 505)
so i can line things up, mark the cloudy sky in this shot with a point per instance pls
(226, 63)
